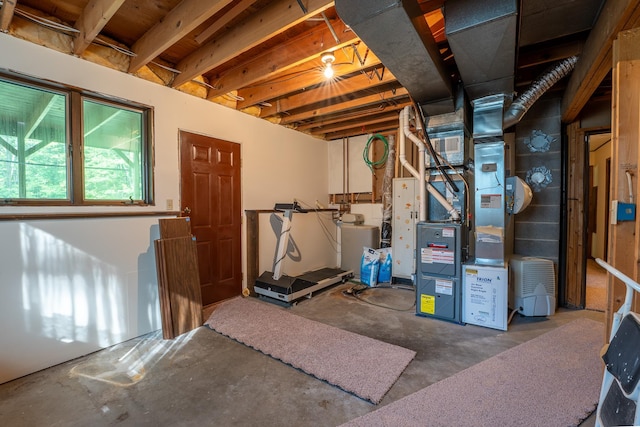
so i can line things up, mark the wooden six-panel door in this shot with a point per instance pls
(210, 196)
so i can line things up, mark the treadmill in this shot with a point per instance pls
(288, 289)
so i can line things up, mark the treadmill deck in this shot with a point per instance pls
(289, 289)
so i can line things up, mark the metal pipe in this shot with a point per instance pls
(521, 105)
(421, 176)
(331, 30)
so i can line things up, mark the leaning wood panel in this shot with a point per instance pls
(252, 249)
(175, 227)
(163, 295)
(179, 285)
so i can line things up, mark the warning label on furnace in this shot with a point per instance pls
(493, 201)
(444, 287)
(427, 304)
(436, 256)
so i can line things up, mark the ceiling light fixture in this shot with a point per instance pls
(327, 60)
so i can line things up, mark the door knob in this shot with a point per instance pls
(187, 211)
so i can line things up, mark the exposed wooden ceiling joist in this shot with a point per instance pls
(224, 20)
(382, 98)
(263, 57)
(342, 89)
(93, 19)
(273, 19)
(306, 77)
(390, 126)
(6, 13)
(364, 117)
(299, 50)
(183, 19)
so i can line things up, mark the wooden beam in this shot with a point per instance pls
(344, 89)
(224, 20)
(6, 14)
(383, 98)
(362, 122)
(179, 22)
(45, 102)
(102, 123)
(274, 19)
(430, 5)
(624, 237)
(279, 59)
(595, 61)
(390, 126)
(360, 116)
(553, 53)
(92, 20)
(576, 249)
(305, 76)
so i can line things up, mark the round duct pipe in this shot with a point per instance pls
(521, 105)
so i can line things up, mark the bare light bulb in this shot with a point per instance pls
(328, 70)
(327, 60)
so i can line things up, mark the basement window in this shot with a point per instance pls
(61, 146)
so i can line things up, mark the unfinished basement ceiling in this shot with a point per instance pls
(264, 57)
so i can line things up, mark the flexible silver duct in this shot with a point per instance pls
(521, 105)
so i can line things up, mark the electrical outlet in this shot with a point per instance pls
(169, 204)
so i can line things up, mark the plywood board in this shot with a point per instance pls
(179, 285)
(175, 227)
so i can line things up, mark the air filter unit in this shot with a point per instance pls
(532, 288)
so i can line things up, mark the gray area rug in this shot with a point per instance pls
(551, 380)
(336, 356)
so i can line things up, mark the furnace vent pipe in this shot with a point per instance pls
(521, 105)
(421, 175)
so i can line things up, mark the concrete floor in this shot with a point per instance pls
(203, 378)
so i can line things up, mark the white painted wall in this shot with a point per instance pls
(359, 178)
(72, 286)
(313, 242)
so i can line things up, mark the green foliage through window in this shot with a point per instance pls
(45, 130)
(33, 143)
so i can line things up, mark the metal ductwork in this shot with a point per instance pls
(482, 36)
(521, 105)
(397, 32)
(491, 118)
